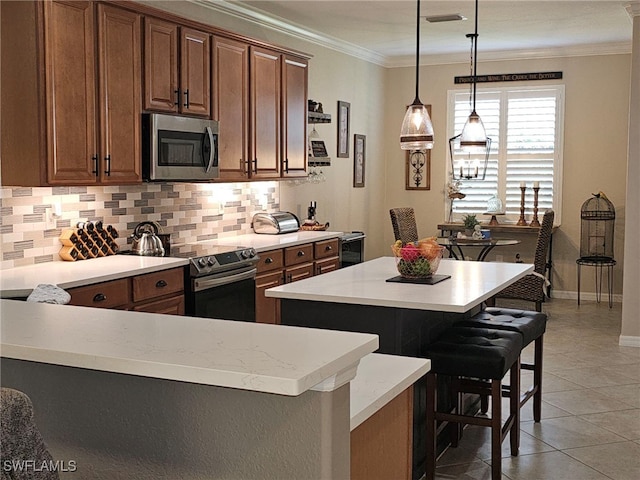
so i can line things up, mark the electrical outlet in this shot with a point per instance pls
(49, 219)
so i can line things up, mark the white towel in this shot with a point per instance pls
(47, 293)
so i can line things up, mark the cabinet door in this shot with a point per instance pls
(72, 151)
(168, 306)
(231, 106)
(161, 91)
(301, 272)
(119, 88)
(195, 72)
(294, 116)
(327, 265)
(268, 308)
(265, 113)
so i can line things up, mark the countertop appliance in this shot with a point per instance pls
(275, 223)
(179, 148)
(221, 281)
(146, 240)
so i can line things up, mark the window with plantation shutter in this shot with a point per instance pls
(525, 126)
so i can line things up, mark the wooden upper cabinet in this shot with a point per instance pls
(70, 90)
(230, 91)
(119, 67)
(177, 69)
(195, 72)
(294, 116)
(265, 113)
(161, 66)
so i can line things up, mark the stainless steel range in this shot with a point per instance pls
(221, 281)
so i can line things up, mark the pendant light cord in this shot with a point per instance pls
(417, 99)
(475, 58)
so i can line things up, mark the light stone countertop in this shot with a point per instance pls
(244, 355)
(365, 284)
(264, 242)
(380, 379)
(20, 281)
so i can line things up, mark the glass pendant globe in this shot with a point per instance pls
(417, 130)
(474, 137)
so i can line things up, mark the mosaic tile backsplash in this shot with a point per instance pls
(189, 212)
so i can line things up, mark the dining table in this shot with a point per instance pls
(407, 317)
(455, 246)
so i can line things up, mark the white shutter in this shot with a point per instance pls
(525, 125)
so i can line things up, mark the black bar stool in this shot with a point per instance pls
(467, 355)
(531, 325)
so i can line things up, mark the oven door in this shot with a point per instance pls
(227, 296)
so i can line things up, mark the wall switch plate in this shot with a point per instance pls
(49, 219)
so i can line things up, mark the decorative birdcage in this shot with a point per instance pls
(598, 217)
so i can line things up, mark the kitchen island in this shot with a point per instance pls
(139, 395)
(407, 317)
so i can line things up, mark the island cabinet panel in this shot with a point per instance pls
(265, 87)
(294, 116)
(177, 69)
(381, 447)
(230, 90)
(158, 292)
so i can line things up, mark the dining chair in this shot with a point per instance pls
(403, 221)
(532, 287)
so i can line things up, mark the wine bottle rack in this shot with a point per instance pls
(88, 240)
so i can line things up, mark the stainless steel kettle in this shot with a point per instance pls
(146, 240)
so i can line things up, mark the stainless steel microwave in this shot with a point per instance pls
(179, 148)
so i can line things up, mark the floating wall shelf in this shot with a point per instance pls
(317, 117)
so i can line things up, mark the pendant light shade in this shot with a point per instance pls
(417, 130)
(473, 136)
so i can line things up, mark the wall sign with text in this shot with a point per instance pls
(509, 77)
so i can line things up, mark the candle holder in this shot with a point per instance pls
(522, 222)
(534, 221)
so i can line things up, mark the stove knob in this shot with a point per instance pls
(248, 253)
(211, 261)
(202, 262)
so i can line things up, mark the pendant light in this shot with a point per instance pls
(474, 136)
(417, 130)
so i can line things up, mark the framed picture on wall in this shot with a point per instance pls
(418, 168)
(359, 158)
(344, 114)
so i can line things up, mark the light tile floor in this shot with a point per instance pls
(590, 426)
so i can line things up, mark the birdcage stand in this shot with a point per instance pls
(599, 263)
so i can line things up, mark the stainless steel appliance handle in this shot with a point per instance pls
(213, 281)
(212, 149)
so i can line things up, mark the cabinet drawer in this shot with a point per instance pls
(326, 248)
(298, 254)
(270, 260)
(327, 265)
(298, 273)
(167, 306)
(103, 295)
(158, 284)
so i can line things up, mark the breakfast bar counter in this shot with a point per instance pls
(406, 317)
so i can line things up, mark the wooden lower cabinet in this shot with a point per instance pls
(381, 447)
(157, 292)
(286, 265)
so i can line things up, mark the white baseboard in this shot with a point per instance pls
(590, 296)
(628, 341)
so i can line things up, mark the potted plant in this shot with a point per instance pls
(469, 221)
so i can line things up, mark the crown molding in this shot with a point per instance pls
(287, 27)
(300, 32)
(633, 9)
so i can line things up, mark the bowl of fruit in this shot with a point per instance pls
(417, 259)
